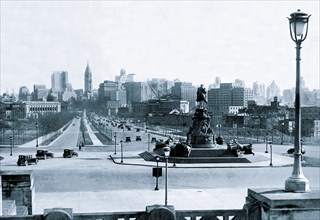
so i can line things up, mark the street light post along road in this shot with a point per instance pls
(115, 142)
(148, 142)
(298, 25)
(270, 143)
(121, 152)
(37, 131)
(266, 143)
(166, 155)
(10, 146)
(157, 174)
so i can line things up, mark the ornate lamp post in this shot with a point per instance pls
(166, 155)
(266, 142)
(157, 181)
(11, 146)
(298, 24)
(148, 142)
(115, 142)
(37, 131)
(121, 152)
(270, 143)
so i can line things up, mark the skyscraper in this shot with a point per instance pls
(88, 82)
(59, 81)
(272, 91)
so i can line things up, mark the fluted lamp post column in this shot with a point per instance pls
(166, 155)
(298, 24)
(37, 132)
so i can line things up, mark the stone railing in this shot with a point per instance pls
(234, 214)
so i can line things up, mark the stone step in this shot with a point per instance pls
(9, 207)
(147, 156)
(22, 210)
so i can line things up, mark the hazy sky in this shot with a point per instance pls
(193, 41)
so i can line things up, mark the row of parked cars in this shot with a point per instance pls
(24, 160)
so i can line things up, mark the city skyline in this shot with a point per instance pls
(190, 41)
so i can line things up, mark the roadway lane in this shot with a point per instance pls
(69, 137)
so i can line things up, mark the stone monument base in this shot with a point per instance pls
(277, 204)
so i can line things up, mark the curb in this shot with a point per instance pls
(212, 166)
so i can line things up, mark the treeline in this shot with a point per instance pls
(53, 122)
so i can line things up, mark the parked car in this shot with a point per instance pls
(68, 153)
(44, 154)
(128, 139)
(24, 160)
(153, 140)
(291, 151)
(138, 138)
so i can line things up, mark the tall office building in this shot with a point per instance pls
(138, 92)
(40, 93)
(213, 100)
(248, 96)
(185, 91)
(59, 81)
(237, 96)
(112, 92)
(259, 89)
(88, 82)
(239, 83)
(272, 91)
(225, 97)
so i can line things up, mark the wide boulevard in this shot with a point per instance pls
(94, 171)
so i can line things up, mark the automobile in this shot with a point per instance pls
(153, 140)
(137, 129)
(73, 124)
(68, 153)
(138, 138)
(128, 139)
(24, 160)
(291, 151)
(44, 154)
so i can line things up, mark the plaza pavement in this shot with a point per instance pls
(137, 200)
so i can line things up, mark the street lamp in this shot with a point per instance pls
(10, 146)
(121, 152)
(37, 131)
(115, 142)
(266, 142)
(298, 25)
(270, 153)
(148, 142)
(166, 155)
(175, 152)
(157, 173)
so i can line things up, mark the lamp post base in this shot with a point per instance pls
(297, 184)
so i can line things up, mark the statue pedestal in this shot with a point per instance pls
(200, 134)
(277, 204)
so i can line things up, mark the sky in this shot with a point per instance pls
(193, 41)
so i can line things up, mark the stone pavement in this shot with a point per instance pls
(137, 200)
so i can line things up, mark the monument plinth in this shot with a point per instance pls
(200, 135)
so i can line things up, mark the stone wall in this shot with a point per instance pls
(18, 186)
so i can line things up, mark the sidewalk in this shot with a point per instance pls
(93, 137)
(137, 200)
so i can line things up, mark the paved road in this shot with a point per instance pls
(91, 177)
